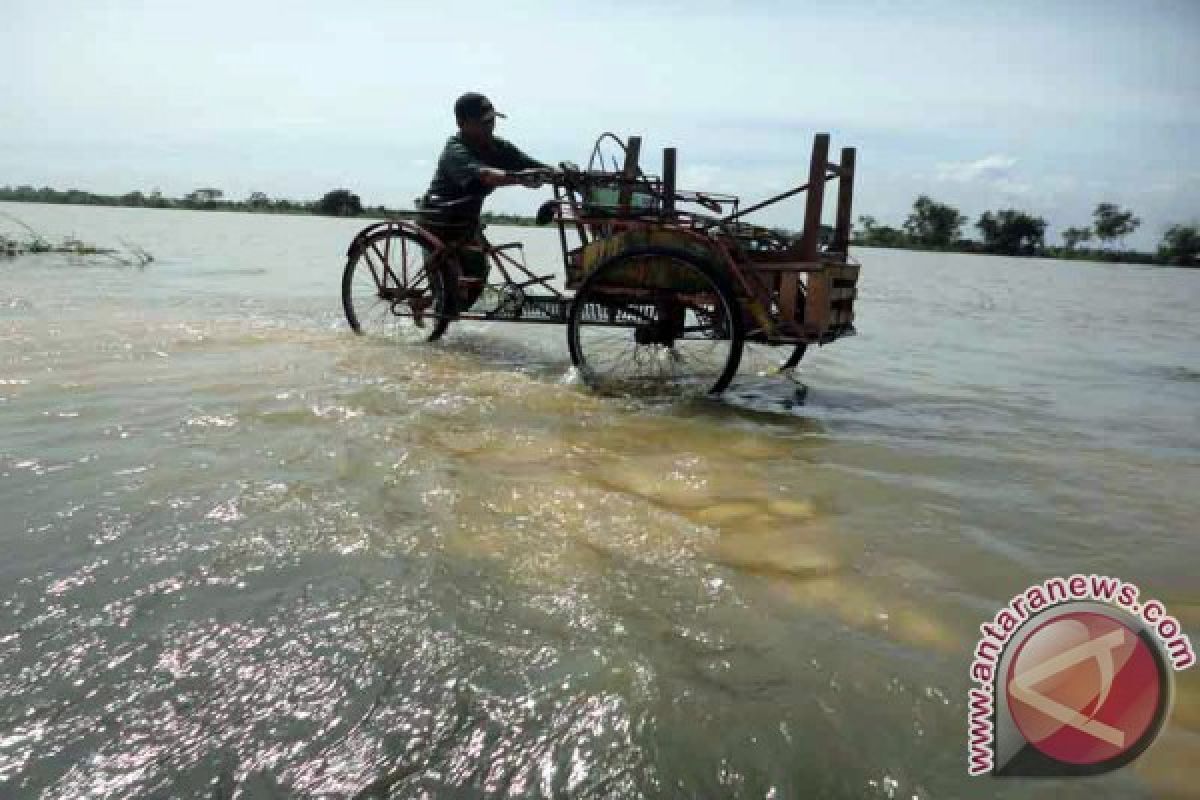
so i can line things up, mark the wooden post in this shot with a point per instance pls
(789, 284)
(841, 231)
(811, 238)
(633, 150)
(668, 177)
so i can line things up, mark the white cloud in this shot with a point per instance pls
(994, 168)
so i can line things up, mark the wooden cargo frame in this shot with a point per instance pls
(793, 291)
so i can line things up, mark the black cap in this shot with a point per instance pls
(474, 106)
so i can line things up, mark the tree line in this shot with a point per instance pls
(938, 226)
(931, 225)
(335, 202)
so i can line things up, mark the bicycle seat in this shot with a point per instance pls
(452, 210)
(433, 202)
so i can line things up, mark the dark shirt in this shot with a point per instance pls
(457, 174)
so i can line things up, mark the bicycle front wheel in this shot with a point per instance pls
(395, 286)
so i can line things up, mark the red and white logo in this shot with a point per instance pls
(1084, 688)
(1073, 677)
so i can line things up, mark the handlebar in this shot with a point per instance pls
(570, 176)
(561, 175)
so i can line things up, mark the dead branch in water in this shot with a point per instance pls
(140, 253)
(133, 256)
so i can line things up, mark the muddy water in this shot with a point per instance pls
(249, 554)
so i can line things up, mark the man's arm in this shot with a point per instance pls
(514, 159)
(466, 170)
(463, 169)
(492, 177)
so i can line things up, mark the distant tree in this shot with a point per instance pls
(1181, 246)
(886, 236)
(79, 197)
(340, 203)
(864, 226)
(1113, 223)
(869, 233)
(204, 198)
(133, 199)
(1011, 232)
(1073, 236)
(258, 200)
(934, 224)
(858, 233)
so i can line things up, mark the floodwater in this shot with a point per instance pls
(248, 554)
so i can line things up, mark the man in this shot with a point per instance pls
(473, 163)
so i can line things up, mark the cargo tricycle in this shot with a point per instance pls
(663, 286)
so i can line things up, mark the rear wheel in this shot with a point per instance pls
(655, 321)
(394, 286)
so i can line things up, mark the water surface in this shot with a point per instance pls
(250, 554)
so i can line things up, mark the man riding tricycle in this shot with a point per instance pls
(658, 298)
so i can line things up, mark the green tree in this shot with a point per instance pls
(1181, 246)
(887, 236)
(1113, 223)
(1073, 236)
(79, 197)
(1011, 232)
(934, 224)
(204, 198)
(258, 200)
(340, 203)
(869, 233)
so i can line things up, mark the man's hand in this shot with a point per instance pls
(531, 178)
(492, 177)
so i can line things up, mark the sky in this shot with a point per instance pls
(1048, 107)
